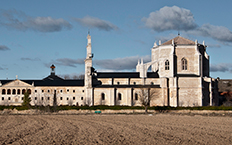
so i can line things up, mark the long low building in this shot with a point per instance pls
(179, 76)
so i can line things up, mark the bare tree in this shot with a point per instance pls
(228, 97)
(146, 95)
(82, 76)
(54, 101)
(72, 76)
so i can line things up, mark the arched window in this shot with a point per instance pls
(166, 65)
(3, 91)
(14, 92)
(102, 96)
(18, 91)
(23, 91)
(184, 64)
(119, 96)
(136, 96)
(8, 92)
(29, 91)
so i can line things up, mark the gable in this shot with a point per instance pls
(17, 83)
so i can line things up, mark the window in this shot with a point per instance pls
(82, 98)
(61, 91)
(8, 92)
(48, 91)
(22, 98)
(42, 98)
(35, 98)
(118, 83)
(134, 83)
(42, 91)
(136, 96)
(73, 91)
(74, 98)
(8, 98)
(3, 91)
(18, 91)
(184, 64)
(2, 98)
(48, 98)
(14, 92)
(23, 91)
(83, 91)
(61, 98)
(103, 96)
(166, 65)
(35, 91)
(67, 90)
(119, 96)
(29, 91)
(67, 98)
(152, 83)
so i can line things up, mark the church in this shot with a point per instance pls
(179, 76)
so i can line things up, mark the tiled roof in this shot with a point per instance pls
(179, 40)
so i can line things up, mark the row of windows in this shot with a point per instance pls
(119, 96)
(19, 91)
(14, 91)
(61, 91)
(61, 98)
(118, 83)
(184, 64)
(42, 98)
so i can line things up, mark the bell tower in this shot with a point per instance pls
(88, 75)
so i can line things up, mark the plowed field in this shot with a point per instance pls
(115, 129)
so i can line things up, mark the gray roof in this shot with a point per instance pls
(51, 80)
(125, 75)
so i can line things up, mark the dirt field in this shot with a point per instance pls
(115, 129)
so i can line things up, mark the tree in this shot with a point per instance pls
(228, 97)
(54, 101)
(146, 95)
(26, 99)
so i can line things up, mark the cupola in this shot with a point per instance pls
(52, 69)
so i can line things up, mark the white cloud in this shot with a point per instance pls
(117, 64)
(126, 63)
(14, 19)
(221, 67)
(93, 22)
(69, 62)
(219, 33)
(170, 18)
(30, 59)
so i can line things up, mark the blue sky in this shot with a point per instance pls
(36, 34)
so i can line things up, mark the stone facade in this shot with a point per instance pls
(179, 77)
